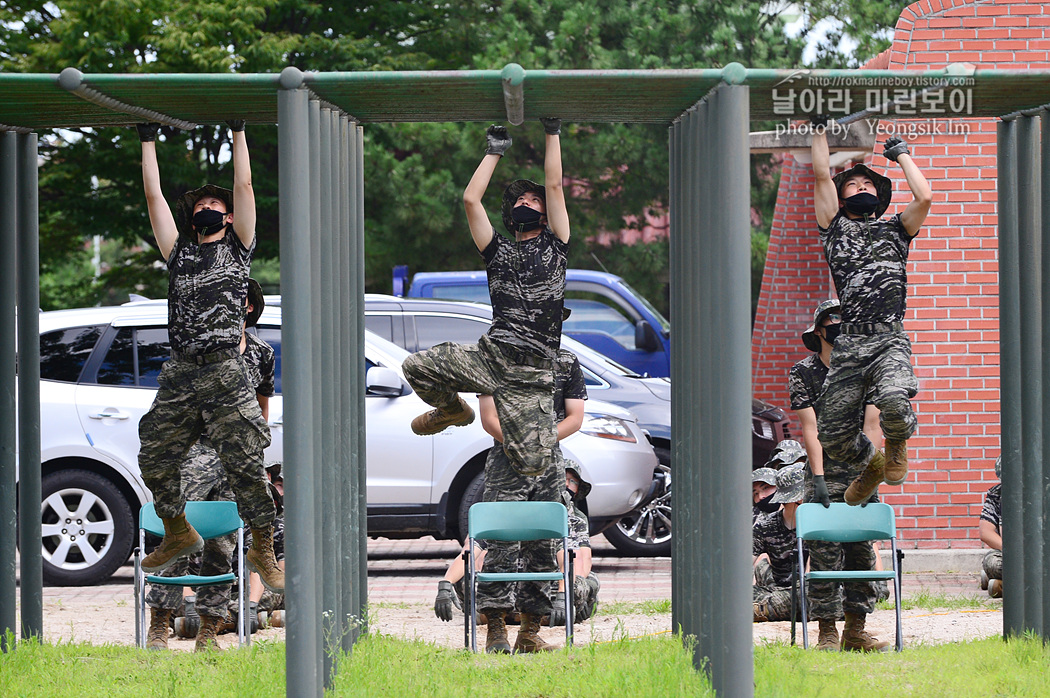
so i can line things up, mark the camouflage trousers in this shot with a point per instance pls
(992, 564)
(776, 598)
(213, 400)
(880, 363)
(503, 483)
(203, 479)
(827, 600)
(585, 595)
(523, 393)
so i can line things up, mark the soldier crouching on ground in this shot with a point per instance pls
(773, 547)
(868, 259)
(204, 388)
(990, 527)
(514, 361)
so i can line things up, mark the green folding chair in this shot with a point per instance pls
(211, 520)
(842, 523)
(511, 522)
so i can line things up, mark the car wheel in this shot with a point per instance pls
(647, 530)
(472, 495)
(87, 528)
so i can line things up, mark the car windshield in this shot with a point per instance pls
(665, 324)
(588, 355)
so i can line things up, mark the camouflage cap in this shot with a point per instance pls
(274, 470)
(186, 202)
(883, 186)
(784, 453)
(789, 484)
(511, 194)
(256, 300)
(825, 308)
(585, 487)
(766, 475)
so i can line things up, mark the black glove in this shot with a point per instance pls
(551, 125)
(893, 148)
(819, 119)
(498, 140)
(558, 611)
(820, 491)
(443, 602)
(147, 131)
(235, 124)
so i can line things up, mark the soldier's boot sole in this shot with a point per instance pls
(437, 420)
(896, 470)
(180, 540)
(867, 482)
(984, 580)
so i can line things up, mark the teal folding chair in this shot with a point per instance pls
(211, 520)
(842, 523)
(511, 522)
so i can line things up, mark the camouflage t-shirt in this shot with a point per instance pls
(527, 290)
(772, 537)
(579, 535)
(993, 508)
(806, 384)
(207, 286)
(569, 383)
(868, 262)
(259, 363)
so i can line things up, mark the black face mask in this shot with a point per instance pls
(831, 332)
(767, 506)
(862, 204)
(208, 221)
(525, 218)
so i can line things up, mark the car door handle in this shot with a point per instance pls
(109, 415)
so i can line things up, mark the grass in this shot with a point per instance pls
(387, 666)
(926, 600)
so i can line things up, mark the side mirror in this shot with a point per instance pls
(383, 382)
(645, 337)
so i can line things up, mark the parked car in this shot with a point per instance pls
(607, 314)
(99, 370)
(418, 323)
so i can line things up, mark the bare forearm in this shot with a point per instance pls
(920, 188)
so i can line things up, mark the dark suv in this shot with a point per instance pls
(417, 324)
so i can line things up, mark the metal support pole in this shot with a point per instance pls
(348, 318)
(1010, 376)
(30, 562)
(1045, 232)
(357, 394)
(302, 667)
(1030, 308)
(8, 274)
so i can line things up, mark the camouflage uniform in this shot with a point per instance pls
(806, 386)
(585, 589)
(204, 388)
(773, 579)
(514, 361)
(993, 513)
(868, 262)
(504, 481)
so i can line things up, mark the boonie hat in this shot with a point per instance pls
(766, 475)
(809, 337)
(784, 453)
(883, 186)
(585, 487)
(511, 194)
(256, 300)
(186, 202)
(789, 484)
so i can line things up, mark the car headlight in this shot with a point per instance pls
(762, 428)
(605, 427)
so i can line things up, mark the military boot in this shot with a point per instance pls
(867, 482)
(261, 560)
(529, 639)
(761, 612)
(459, 414)
(180, 539)
(856, 639)
(496, 638)
(896, 471)
(206, 635)
(827, 636)
(157, 635)
(995, 588)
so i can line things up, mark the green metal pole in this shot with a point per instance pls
(30, 562)
(357, 395)
(676, 211)
(1010, 377)
(8, 274)
(1030, 307)
(1044, 204)
(302, 668)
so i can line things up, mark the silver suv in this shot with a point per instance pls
(99, 370)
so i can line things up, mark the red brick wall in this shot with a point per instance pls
(952, 271)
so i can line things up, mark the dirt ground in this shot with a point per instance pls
(102, 621)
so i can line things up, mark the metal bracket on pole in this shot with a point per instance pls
(514, 93)
(72, 80)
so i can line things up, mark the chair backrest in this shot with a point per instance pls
(210, 519)
(842, 523)
(510, 521)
